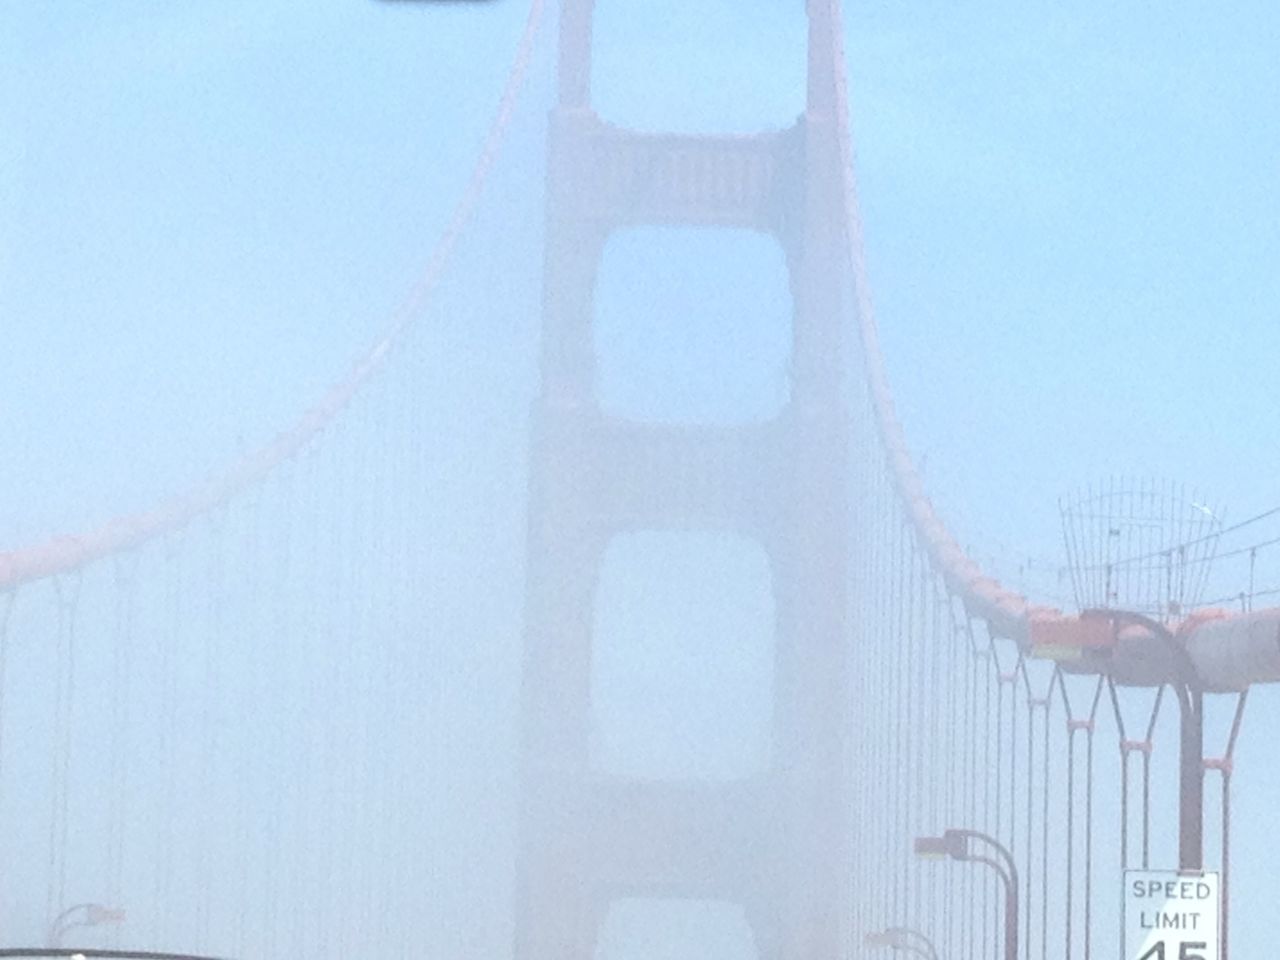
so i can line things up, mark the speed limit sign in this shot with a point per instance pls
(1170, 915)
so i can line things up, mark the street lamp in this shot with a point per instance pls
(905, 939)
(1187, 687)
(81, 915)
(954, 844)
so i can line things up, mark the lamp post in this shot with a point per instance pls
(954, 844)
(90, 915)
(1186, 685)
(904, 939)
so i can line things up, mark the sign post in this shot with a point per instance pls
(1171, 915)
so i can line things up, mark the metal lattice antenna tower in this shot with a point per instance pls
(1141, 545)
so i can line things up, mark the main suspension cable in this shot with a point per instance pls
(64, 554)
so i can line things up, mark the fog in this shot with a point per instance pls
(588, 622)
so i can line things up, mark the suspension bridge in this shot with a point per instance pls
(256, 720)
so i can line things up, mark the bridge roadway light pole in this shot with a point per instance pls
(955, 845)
(1191, 759)
(904, 939)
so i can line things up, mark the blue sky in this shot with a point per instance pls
(208, 210)
(1070, 217)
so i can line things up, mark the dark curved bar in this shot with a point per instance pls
(93, 953)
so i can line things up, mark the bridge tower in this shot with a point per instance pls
(776, 843)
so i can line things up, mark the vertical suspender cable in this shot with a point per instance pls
(884, 699)
(52, 907)
(969, 933)
(1226, 766)
(125, 584)
(1124, 781)
(208, 866)
(999, 739)
(991, 775)
(337, 651)
(1071, 813)
(876, 708)
(253, 807)
(1088, 820)
(1012, 680)
(898, 683)
(930, 766)
(365, 548)
(874, 714)
(7, 602)
(283, 629)
(1030, 863)
(949, 638)
(67, 595)
(392, 517)
(1146, 780)
(308, 872)
(236, 637)
(1044, 820)
(168, 753)
(890, 652)
(910, 875)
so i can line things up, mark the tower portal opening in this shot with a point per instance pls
(639, 929)
(682, 669)
(715, 66)
(693, 326)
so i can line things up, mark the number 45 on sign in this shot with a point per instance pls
(1187, 950)
(1170, 915)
